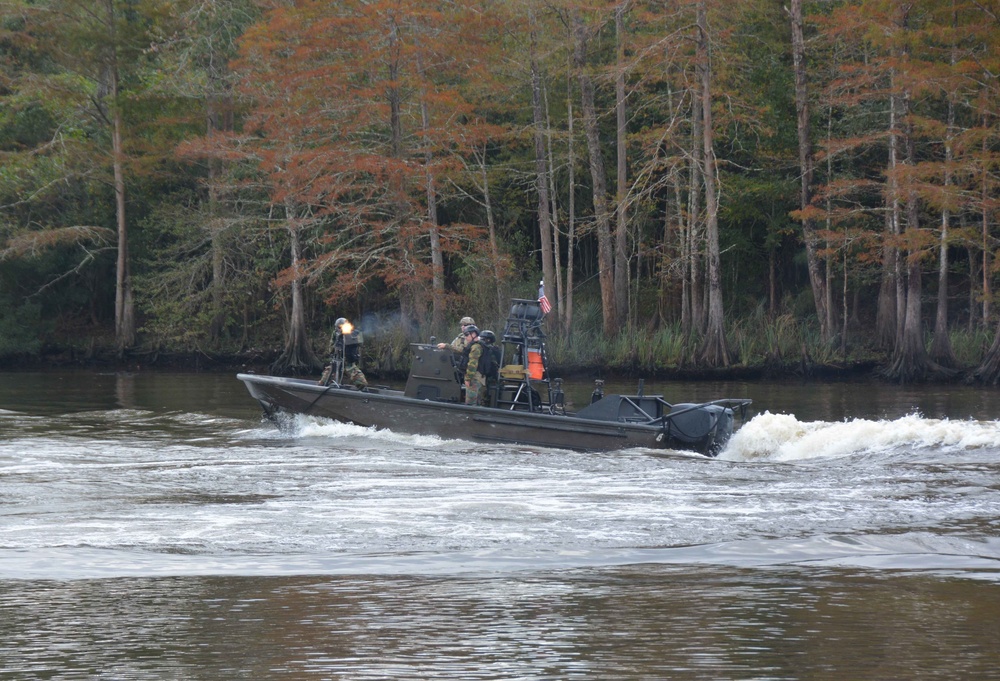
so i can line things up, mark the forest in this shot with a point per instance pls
(701, 185)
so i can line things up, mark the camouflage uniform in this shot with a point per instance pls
(458, 344)
(356, 376)
(352, 360)
(349, 348)
(474, 381)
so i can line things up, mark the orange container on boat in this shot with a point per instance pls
(536, 370)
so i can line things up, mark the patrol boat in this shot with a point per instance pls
(524, 405)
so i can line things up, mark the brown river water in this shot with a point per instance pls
(152, 526)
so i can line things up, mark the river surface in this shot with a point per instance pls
(153, 527)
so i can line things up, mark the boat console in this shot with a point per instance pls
(432, 375)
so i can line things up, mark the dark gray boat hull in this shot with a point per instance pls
(709, 426)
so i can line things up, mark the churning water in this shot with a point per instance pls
(152, 526)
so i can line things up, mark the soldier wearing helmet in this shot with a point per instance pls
(473, 352)
(480, 365)
(458, 344)
(345, 351)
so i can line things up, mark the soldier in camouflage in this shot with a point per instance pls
(458, 345)
(475, 382)
(345, 346)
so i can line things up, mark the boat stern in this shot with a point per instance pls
(705, 427)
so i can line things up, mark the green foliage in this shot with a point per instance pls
(21, 328)
(970, 346)
(761, 340)
(183, 310)
(310, 126)
(25, 127)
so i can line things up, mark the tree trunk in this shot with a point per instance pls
(816, 279)
(988, 371)
(605, 260)
(892, 261)
(437, 255)
(570, 209)
(941, 350)
(298, 356)
(621, 188)
(714, 350)
(412, 305)
(682, 247)
(985, 245)
(828, 285)
(910, 359)
(219, 117)
(434, 230)
(491, 226)
(124, 301)
(843, 302)
(694, 232)
(772, 283)
(886, 313)
(541, 171)
(557, 267)
(885, 319)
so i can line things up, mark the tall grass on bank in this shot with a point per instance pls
(970, 346)
(762, 340)
(757, 341)
(632, 349)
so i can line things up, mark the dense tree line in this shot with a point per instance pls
(697, 182)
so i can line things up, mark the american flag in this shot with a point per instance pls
(542, 300)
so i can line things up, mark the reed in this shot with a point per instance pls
(970, 346)
(758, 340)
(762, 340)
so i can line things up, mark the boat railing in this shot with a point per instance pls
(644, 416)
(652, 410)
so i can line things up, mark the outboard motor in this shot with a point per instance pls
(707, 427)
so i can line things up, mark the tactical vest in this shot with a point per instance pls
(489, 362)
(349, 346)
(463, 363)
